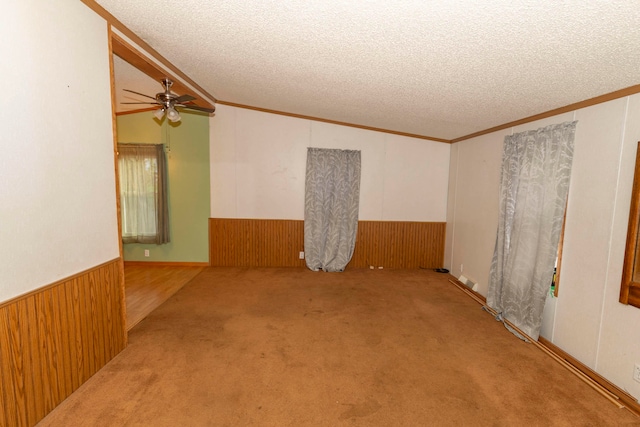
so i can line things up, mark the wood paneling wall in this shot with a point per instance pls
(277, 243)
(395, 244)
(255, 242)
(53, 339)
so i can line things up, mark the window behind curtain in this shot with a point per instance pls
(332, 200)
(143, 193)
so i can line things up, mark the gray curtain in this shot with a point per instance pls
(536, 168)
(144, 207)
(332, 200)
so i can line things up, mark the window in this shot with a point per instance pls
(143, 193)
(555, 283)
(630, 289)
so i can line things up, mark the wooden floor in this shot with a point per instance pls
(147, 287)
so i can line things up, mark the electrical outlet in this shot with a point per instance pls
(461, 268)
(146, 252)
(301, 255)
(636, 372)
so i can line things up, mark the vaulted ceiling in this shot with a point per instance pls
(443, 69)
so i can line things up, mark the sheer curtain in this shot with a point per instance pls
(143, 193)
(332, 200)
(536, 168)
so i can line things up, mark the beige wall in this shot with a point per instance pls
(258, 163)
(58, 210)
(586, 320)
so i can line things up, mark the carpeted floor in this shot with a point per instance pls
(290, 347)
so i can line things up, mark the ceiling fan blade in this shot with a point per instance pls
(138, 93)
(184, 98)
(151, 103)
(198, 108)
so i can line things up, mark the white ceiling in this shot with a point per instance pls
(443, 69)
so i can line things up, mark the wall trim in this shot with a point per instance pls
(113, 21)
(164, 264)
(141, 110)
(609, 390)
(56, 283)
(628, 400)
(631, 90)
(137, 59)
(112, 82)
(333, 122)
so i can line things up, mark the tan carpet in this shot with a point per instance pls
(290, 347)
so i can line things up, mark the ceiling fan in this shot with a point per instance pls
(169, 101)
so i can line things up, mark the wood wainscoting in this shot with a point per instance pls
(54, 338)
(255, 242)
(277, 243)
(399, 244)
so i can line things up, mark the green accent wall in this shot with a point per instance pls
(187, 148)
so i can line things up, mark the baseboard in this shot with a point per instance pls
(164, 264)
(629, 401)
(463, 286)
(624, 398)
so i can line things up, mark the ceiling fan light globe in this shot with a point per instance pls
(159, 113)
(173, 115)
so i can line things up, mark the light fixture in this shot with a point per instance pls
(159, 113)
(172, 114)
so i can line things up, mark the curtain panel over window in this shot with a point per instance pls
(143, 193)
(332, 201)
(536, 168)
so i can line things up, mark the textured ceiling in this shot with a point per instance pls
(443, 69)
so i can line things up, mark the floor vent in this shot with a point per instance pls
(468, 282)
